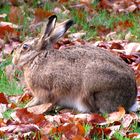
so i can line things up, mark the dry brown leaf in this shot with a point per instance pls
(25, 97)
(86, 1)
(96, 119)
(131, 48)
(133, 135)
(127, 120)
(40, 109)
(16, 15)
(63, 1)
(131, 8)
(114, 128)
(3, 23)
(41, 14)
(130, 36)
(76, 36)
(116, 116)
(3, 99)
(2, 16)
(78, 137)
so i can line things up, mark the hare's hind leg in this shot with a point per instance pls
(90, 102)
(109, 101)
(33, 102)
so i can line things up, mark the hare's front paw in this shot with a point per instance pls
(33, 102)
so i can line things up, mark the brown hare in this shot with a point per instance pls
(88, 79)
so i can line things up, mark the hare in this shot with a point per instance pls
(85, 78)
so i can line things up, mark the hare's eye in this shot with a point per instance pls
(25, 46)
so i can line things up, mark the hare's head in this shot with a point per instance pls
(32, 47)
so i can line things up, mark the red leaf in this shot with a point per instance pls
(22, 128)
(3, 99)
(1, 134)
(25, 97)
(25, 128)
(27, 117)
(2, 123)
(78, 137)
(4, 30)
(63, 1)
(41, 14)
(132, 135)
(116, 46)
(8, 31)
(102, 30)
(15, 15)
(12, 105)
(100, 131)
(96, 118)
(105, 4)
(70, 130)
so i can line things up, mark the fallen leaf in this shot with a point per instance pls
(2, 16)
(8, 32)
(131, 48)
(3, 99)
(116, 116)
(26, 117)
(25, 97)
(131, 8)
(127, 120)
(133, 135)
(63, 1)
(102, 30)
(130, 36)
(116, 46)
(12, 25)
(99, 131)
(114, 128)
(41, 14)
(96, 119)
(69, 130)
(78, 137)
(22, 128)
(76, 36)
(12, 105)
(40, 109)
(16, 15)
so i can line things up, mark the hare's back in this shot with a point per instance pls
(86, 54)
(81, 56)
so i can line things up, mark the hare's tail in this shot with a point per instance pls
(135, 107)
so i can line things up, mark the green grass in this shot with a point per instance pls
(119, 136)
(108, 21)
(87, 128)
(5, 9)
(7, 113)
(9, 87)
(101, 18)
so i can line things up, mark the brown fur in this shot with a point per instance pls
(95, 78)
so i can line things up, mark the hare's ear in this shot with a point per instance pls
(46, 31)
(59, 31)
(50, 26)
